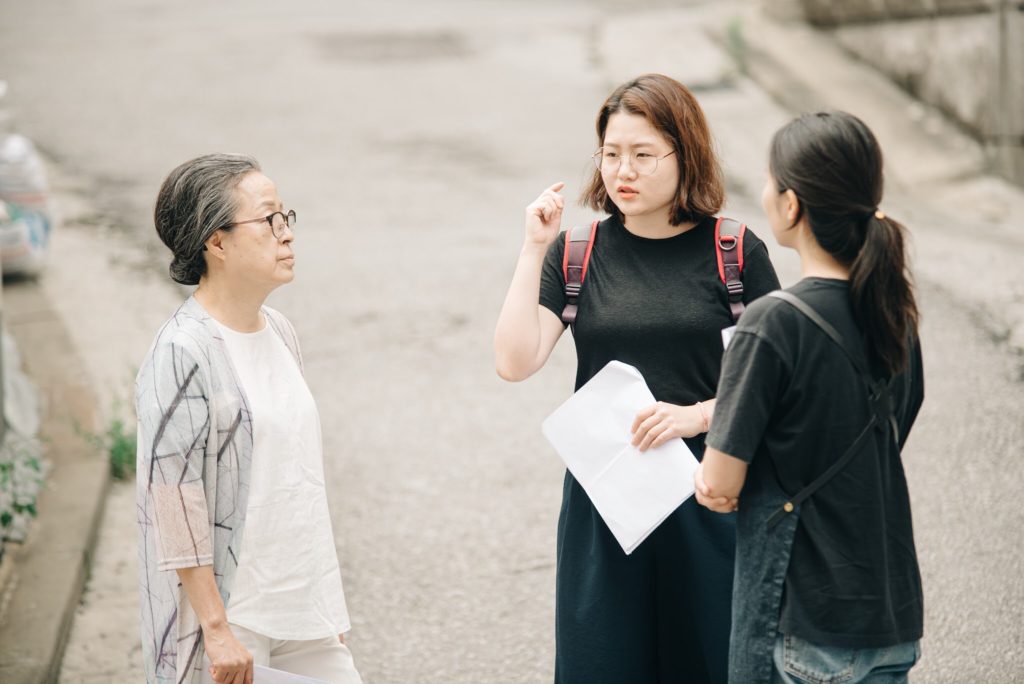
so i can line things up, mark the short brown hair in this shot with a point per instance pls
(673, 110)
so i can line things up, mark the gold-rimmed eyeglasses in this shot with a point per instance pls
(277, 221)
(644, 163)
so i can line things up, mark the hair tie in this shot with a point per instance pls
(879, 214)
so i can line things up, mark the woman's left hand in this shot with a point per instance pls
(718, 504)
(656, 424)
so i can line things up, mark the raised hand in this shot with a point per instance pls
(544, 217)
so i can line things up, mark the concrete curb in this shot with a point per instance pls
(81, 328)
(806, 70)
(50, 569)
(7, 583)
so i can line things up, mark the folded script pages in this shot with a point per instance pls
(266, 675)
(633, 491)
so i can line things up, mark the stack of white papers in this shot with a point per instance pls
(266, 675)
(633, 491)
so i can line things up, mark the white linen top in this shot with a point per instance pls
(288, 584)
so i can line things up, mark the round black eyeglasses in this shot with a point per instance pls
(277, 221)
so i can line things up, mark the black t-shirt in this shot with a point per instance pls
(792, 402)
(656, 304)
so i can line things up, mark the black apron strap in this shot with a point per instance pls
(879, 399)
(823, 479)
(825, 326)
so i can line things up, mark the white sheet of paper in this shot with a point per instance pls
(727, 334)
(266, 675)
(633, 491)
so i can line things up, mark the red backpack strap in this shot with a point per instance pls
(729, 251)
(579, 243)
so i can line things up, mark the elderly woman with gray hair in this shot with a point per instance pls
(236, 554)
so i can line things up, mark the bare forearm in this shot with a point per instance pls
(230, 661)
(201, 589)
(723, 474)
(517, 337)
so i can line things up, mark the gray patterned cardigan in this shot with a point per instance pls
(194, 463)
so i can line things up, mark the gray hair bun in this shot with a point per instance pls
(196, 199)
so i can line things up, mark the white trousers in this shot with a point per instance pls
(327, 659)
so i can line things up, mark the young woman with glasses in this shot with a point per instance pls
(820, 387)
(236, 555)
(653, 299)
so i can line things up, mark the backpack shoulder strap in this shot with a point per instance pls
(879, 399)
(579, 243)
(729, 252)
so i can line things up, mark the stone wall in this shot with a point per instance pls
(837, 12)
(965, 57)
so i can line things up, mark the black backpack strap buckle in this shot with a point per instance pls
(579, 242)
(729, 252)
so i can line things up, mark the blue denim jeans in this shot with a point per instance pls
(801, 662)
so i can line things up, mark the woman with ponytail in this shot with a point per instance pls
(819, 388)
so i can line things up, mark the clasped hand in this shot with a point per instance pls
(230, 661)
(718, 504)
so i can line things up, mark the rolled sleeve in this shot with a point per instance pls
(752, 373)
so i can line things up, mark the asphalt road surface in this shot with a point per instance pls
(409, 137)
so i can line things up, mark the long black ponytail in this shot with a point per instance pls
(833, 163)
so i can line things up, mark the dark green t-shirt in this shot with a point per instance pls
(656, 304)
(789, 395)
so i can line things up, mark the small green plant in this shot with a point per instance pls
(22, 472)
(122, 450)
(119, 445)
(117, 442)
